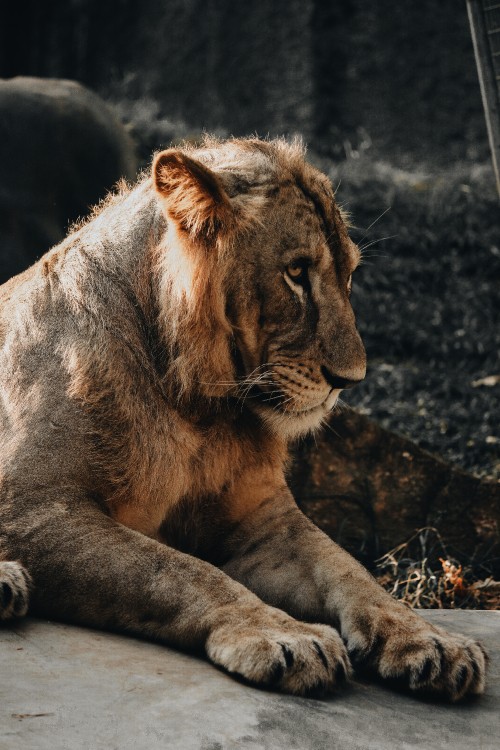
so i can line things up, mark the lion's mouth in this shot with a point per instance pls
(273, 399)
(290, 421)
(280, 401)
(270, 399)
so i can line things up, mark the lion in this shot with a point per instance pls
(155, 367)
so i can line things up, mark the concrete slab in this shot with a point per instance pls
(68, 688)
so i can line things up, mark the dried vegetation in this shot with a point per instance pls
(421, 573)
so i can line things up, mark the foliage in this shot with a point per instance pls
(427, 298)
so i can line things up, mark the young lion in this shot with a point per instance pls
(153, 368)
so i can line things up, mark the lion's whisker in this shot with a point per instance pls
(374, 242)
(262, 378)
(287, 400)
(374, 222)
(277, 395)
(325, 423)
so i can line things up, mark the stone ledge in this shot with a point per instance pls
(68, 688)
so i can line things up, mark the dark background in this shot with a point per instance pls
(386, 95)
(399, 75)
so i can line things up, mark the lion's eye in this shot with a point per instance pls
(297, 271)
(349, 285)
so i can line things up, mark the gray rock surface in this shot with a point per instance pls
(68, 688)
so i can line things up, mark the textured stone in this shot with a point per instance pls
(62, 149)
(370, 489)
(66, 687)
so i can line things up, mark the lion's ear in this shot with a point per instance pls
(194, 196)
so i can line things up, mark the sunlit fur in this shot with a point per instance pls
(154, 367)
(163, 304)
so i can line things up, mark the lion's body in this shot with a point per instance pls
(153, 368)
(153, 451)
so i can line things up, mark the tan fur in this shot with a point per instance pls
(154, 367)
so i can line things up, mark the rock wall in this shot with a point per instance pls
(370, 489)
(62, 148)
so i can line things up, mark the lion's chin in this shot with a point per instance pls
(293, 424)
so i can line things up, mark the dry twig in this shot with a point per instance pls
(409, 572)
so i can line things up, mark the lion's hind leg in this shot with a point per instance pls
(15, 584)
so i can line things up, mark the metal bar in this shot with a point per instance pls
(491, 7)
(487, 81)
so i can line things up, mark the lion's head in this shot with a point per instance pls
(259, 262)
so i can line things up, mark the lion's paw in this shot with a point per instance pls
(14, 590)
(288, 655)
(423, 657)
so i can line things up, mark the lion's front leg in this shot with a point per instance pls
(86, 568)
(281, 556)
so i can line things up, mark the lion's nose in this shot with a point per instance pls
(336, 381)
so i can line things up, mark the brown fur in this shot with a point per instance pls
(154, 367)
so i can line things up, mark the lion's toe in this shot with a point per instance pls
(425, 658)
(14, 590)
(301, 659)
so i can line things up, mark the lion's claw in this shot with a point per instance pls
(281, 652)
(420, 655)
(14, 590)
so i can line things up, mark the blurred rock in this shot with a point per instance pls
(61, 149)
(370, 489)
(70, 687)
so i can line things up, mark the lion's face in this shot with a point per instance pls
(288, 263)
(292, 317)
